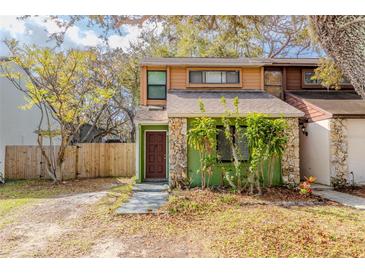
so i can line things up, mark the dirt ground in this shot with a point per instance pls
(33, 225)
(83, 223)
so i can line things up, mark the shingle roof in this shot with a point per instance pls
(185, 103)
(336, 103)
(212, 61)
(150, 114)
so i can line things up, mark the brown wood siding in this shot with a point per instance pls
(156, 102)
(143, 86)
(312, 113)
(251, 78)
(293, 78)
(178, 78)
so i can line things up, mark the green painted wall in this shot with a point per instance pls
(141, 139)
(216, 179)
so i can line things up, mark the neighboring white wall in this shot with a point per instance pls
(17, 126)
(314, 152)
(356, 149)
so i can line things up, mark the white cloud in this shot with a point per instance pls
(35, 30)
(74, 34)
(50, 26)
(80, 37)
(12, 25)
(131, 36)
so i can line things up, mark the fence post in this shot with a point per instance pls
(77, 161)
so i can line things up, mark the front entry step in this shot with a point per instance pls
(146, 198)
(151, 187)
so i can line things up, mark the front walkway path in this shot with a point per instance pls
(147, 197)
(340, 197)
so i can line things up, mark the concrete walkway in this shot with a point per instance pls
(147, 197)
(339, 197)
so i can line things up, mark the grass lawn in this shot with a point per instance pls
(194, 223)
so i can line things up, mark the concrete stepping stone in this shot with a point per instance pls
(146, 198)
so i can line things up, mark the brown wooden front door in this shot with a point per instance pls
(155, 154)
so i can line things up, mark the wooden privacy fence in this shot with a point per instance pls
(81, 161)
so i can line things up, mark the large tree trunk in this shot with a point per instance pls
(343, 38)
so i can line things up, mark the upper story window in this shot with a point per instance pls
(156, 85)
(224, 149)
(274, 81)
(308, 81)
(214, 77)
(307, 78)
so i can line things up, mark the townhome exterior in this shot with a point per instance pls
(170, 89)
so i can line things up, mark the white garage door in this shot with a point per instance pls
(356, 148)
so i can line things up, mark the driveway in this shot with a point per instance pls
(83, 224)
(37, 224)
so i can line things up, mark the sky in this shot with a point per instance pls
(35, 30)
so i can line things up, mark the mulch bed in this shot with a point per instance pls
(284, 194)
(354, 190)
(280, 196)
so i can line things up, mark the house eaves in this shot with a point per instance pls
(185, 103)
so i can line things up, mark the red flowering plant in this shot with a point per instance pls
(305, 187)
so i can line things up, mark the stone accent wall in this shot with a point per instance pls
(178, 152)
(338, 152)
(290, 160)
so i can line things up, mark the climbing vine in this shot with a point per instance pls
(202, 138)
(266, 140)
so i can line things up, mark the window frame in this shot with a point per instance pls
(306, 85)
(189, 84)
(233, 129)
(281, 85)
(156, 85)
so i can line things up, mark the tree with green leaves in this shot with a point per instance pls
(62, 87)
(328, 74)
(231, 36)
(205, 35)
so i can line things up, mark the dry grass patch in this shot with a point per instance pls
(198, 223)
(231, 228)
(15, 194)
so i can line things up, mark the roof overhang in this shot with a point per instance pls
(333, 104)
(151, 116)
(185, 104)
